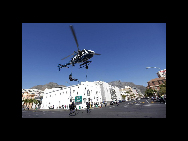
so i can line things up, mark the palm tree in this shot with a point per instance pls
(26, 101)
(35, 101)
(30, 101)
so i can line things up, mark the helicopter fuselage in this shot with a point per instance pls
(82, 56)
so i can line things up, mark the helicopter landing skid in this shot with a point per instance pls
(85, 64)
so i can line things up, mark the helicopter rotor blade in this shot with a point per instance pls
(73, 32)
(68, 56)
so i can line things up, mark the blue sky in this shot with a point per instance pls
(126, 50)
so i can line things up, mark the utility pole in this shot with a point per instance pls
(153, 67)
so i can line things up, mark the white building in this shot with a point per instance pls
(93, 92)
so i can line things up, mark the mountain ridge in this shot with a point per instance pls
(118, 84)
(49, 85)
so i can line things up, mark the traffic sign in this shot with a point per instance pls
(78, 98)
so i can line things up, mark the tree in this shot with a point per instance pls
(26, 101)
(162, 90)
(35, 101)
(123, 96)
(30, 101)
(149, 92)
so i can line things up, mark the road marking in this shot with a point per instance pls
(110, 107)
(137, 104)
(147, 105)
(147, 101)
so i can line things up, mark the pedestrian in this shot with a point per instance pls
(72, 108)
(65, 106)
(105, 104)
(88, 106)
(101, 104)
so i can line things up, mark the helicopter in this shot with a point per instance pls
(80, 56)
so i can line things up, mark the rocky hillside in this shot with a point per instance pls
(120, 84)
(49, 86)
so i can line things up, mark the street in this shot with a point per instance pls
(143, 108)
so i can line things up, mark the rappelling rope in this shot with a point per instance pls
(86, 74)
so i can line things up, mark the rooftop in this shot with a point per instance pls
(157, 79)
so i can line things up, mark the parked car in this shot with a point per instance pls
(123, 100)
(120, 101)
(111, 103)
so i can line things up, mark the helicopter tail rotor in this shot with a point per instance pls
(97, 54)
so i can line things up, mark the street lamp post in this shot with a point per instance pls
(153, 67)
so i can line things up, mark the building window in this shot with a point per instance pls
(60, 93)
(50, 95)
(88, 93)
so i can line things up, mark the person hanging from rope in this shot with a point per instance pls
(71, 79)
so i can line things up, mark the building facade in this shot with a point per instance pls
(94, 92)
(154, 83)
